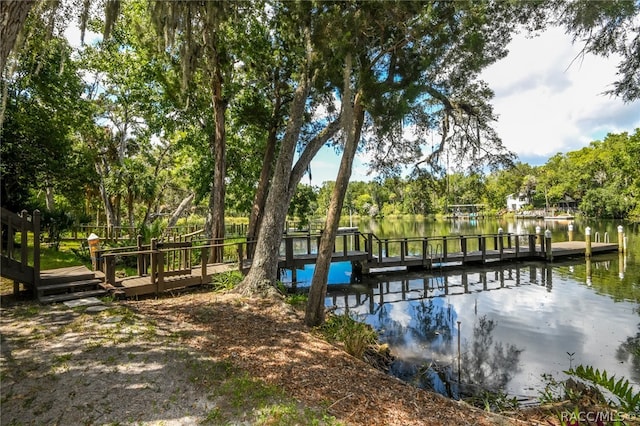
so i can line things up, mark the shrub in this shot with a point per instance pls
(354, 335)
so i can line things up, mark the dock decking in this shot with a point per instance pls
(370, 253)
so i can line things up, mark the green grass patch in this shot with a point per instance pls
(245, 399)
(226, 281)
(354, 335)
(298, 301)
(26, 311)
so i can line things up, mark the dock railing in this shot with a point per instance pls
(162, 260)
(441, 249)
(15, 256)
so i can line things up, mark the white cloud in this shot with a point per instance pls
(550, 99)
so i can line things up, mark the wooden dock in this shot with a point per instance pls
(164, 267)
(445, 251)
(167, 265)
(368, 253)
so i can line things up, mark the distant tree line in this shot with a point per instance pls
(601, 179)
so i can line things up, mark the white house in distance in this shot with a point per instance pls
(516, 201)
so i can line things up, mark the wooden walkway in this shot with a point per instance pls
(368, 254)
(167, 265)
(559, 250)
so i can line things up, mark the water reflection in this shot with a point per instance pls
(518, 321)
(488, 364)
(629, 352)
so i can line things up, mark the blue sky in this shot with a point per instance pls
(548, 100)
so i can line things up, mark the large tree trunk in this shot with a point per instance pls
(109, 210)
(49, 199)
(217, 146)
(13, 13)
(263, 272)
(353, 117)
(257, 210)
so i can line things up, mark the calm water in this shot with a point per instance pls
(516, 321)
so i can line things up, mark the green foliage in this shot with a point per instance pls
(297, 300)
(157, 107)
(54, 224)
(302, 204)
(44, 106)
(600, 177)
(226, 280)
(493, 401)
(356, 336)
(627, 400)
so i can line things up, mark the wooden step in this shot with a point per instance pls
(48, 288)
(53, 298)
(65, 275)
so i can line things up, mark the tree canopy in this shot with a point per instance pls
(224, 104)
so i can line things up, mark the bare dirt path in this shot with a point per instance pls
(200, 358)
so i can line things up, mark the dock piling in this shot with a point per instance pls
(571, 232)
(547, 245)
(620, 239)
(587, 240)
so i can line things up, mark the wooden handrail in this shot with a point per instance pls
(15, 267)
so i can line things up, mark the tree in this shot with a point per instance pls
(352, 122)
(43, 107)
(297, 19)
(197, 31)
(302, 204)
(13, 14)
(399, 80)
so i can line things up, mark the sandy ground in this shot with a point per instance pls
(161, 361)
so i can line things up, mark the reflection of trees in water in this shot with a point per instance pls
(431, 325)
(435, 324)
(629, 351)
(487, 363)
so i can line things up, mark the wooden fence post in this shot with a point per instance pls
(160, 281)
(110, 269)
(24, 234)
(288, 250)
(140, 256)
(620, 239)
(344, 245)
(204, 258)
(463, 247)
(154, 261)
(532, 244)
(547, 243)
(35, 221)
(240, 258)
(445, 249)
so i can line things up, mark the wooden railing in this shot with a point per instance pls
(15, 255)
(161, 260)
(441, 248)
(438, 249)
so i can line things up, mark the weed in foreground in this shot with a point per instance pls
(356, 336)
